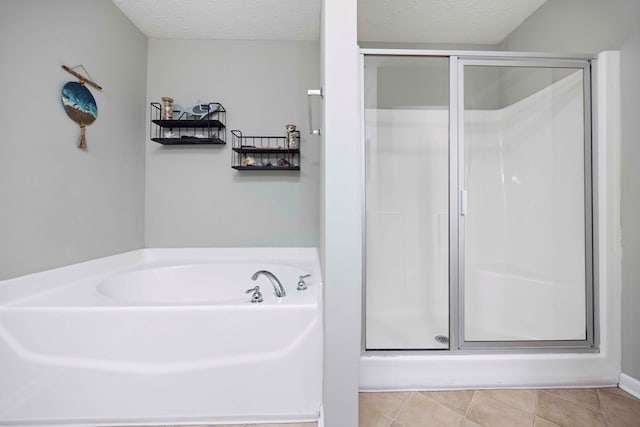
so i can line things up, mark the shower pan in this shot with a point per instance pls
(478, 203)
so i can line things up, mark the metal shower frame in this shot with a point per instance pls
(457, 61)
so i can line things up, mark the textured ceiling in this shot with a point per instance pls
(401, 21)
(225, 19)
(441, 21)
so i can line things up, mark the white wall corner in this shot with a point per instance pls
(341, 228)
(608, 134)
(630, 385)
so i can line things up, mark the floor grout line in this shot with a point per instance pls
(473, 396)
(466, 413)
(535, 408)
(576, 403)
(404, 404)
(604, 412)
(600, 400)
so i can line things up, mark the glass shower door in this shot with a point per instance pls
(526, 203)
(406, 202)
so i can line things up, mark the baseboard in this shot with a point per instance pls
(630, 385)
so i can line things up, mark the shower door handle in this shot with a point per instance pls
(463, 203)
(310, 93)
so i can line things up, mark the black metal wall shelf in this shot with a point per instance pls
(265, 150)
(188, 141)
(265, 168)
(265, 153)
(187, 123)
(187, 130)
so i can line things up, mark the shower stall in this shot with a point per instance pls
(480, 225)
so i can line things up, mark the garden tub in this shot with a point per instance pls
(163, 336)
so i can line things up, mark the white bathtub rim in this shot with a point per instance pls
(105, 263)
(19, 290)
(180, 283)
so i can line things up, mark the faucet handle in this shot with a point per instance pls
(257, 296)
(302, 285)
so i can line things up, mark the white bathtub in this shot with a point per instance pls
(162, 336)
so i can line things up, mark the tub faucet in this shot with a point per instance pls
(277, 286)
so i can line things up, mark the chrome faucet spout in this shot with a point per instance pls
(277, 286)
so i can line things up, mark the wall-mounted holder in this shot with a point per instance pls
(265, 152)
(207, 127)
(310, 93)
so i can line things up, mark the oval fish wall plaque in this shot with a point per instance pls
(80, 107)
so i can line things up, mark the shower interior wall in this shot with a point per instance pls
(525, 180)
(595, 26)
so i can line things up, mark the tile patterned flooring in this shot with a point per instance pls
(577, 407)
(586, 407)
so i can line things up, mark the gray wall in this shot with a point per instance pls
(592, 26)
(630, 208)
(416, 82)
(193, 196)
(62, 205)
(427, 84)
(575, 26)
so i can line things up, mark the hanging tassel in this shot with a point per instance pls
(83, 140)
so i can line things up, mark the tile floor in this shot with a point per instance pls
(578, 407)
(509, 408)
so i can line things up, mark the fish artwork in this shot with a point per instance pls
(80, 107)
